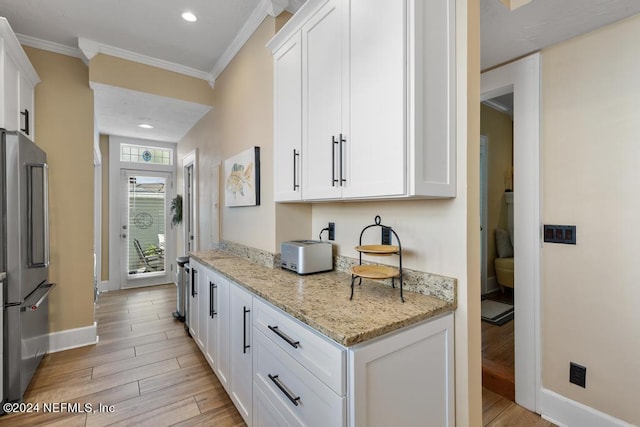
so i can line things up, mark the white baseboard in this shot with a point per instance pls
(72, 338)
(492, 285)
(103, 286)
(562, 411)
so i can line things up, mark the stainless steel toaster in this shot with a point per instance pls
(306, 256)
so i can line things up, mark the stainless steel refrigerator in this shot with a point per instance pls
(24, 256)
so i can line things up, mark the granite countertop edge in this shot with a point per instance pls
(375, 310)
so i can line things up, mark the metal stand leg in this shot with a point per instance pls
(353, 282)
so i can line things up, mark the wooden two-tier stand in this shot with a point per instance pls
(378, 272)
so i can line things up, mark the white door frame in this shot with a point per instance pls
(115, 165)
(97, 218)
(153, 278)
(484, 226)
(191, 159)
(522, 77)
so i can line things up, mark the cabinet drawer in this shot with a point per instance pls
(320, 356)
(299, 395)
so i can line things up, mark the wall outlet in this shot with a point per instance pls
(332, 231)
(386, 235)
(578, 375)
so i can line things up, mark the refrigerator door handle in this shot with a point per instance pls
(39, 295)
(41, 185)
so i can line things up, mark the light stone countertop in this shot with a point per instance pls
(322, 300)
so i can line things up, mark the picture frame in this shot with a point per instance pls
(242, 179)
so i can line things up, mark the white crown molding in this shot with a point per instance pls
(266, 7)
(11, 46)
(275, 7)
(62, 49)
(294, 5)
(499, 107)
(91, 48)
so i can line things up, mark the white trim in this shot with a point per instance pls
(62, 49)
(190, 159)
(115, 166)
(73, 338)
(247, 30)
(492, 284)
(566, 412)
(90, 48)
(523, 78)
(294, 6)
(13, 48)
(484, 213)
(103, 286)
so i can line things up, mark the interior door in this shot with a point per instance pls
(144, 208)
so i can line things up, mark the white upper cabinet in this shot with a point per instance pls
(377, 100)
(287, 87)
(377, 76)
(322, 102)
(18, 79)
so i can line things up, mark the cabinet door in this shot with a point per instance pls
(202, 279)
(241, 375)
(287, 92)
(10, 102)
(26, 112)
(322, 82)
(266, 413)
(404, 377)
(194, 306)
(222, 345)
(211, 320)
(376, 153)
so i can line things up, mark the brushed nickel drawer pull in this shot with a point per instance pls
(287, 338)
(294, 399)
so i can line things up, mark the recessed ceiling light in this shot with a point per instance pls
(188, 16)
(145, 126)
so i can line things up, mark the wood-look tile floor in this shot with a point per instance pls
(500, 412)
(144, 364)
(153, 374)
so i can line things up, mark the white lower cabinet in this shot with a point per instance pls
(217, 321)
(241, 351)
(193, 314)
(219, 339)
(302, 398)
(404, 379)
(280, 372)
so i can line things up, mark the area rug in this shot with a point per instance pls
(496, 313)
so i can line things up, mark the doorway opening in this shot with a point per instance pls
(141, 242)
(497, 231)
(522, 78)
(190, 204)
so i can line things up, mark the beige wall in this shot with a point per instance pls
(242, 117)
(498, 128)
(591, 153)
(104, 152)
(64, 129)
(126, 74)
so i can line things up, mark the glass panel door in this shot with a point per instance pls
(144, 226)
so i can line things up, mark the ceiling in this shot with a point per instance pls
(153, 32)
(508, 34)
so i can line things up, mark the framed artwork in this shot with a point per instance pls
(242, 179)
